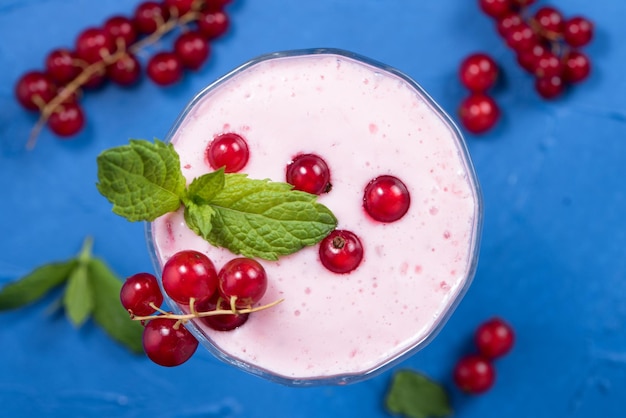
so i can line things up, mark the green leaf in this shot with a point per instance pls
(259, 218)
(415, 396)
(205, 187)
(199, 218)
(78, 297)
(143, 180)
(35, 284)
(108, 312)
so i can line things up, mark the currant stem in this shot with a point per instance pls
(195, 314)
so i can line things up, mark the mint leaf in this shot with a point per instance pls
(143, 180)
(414, 395)
(199, 218)
(108, 312)
(78, 298)
(259, 218)
(35, 284)
(205, 187)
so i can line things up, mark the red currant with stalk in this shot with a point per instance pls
(67, 120)
(165, 68)
(341, 251)
(139, 292)
(386, 199)
(167, 342)
(242, 282)
(189, 274)
(309, 173)
(223, 322)
(474, 374)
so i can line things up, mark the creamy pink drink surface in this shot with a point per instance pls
(364, 122)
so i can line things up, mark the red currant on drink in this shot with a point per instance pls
(386, 199)
(223, 322)
(138, 292)
(125, 71)
(93, 44)
(167, 342)
(578, 31)
(228, 150)
(244, 279)
(120, 29)
(474, 374)
(341, 251)
(165, 68)
(34, 89)
(189, 274)
(495, 8)
(148, 16)
(577, 67)
(494, 338)
(67, 120)
(61, 66)
(192, 49)
(213, 24)
(309, 173)
(478, 72)
(479, 113)
(550, 87)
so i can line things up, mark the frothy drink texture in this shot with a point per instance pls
(364, 122)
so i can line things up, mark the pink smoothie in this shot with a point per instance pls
(365, 122)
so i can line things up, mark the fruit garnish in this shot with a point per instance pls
(341, 251)
(254, 218)
(414, 395)
(91, 290)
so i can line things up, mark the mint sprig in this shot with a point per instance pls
(91, 289)
(414, 395)
(255, 218)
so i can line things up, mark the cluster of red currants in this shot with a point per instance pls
(222, 301)
(475, 373)
(111, 52)
(547, 46)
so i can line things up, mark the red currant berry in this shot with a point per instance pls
(167, 342)
(96, 80)
(309, 173)
(93, 44)
(524, 3)
(508, 22)
(68, 97)
(495, 8)
(138, 292)
(217, 4)
(578, 31)
(548, 65)
(120, 29)
(550, 20)
(61, 67)
(67, 120)
(550, 87)
(478, 72)
(189, 274)
(527, 59)
(386, 199)
(34, 89)
(521, 38)
(192, 49)
(224, 322)
(494, 338)
(577, 67)
(341, 251)
(165, 68)
(244, 279)
(479, 113)
(474, 374)
(125, 70)
(179, 7)
(213, 24)
(148, 16)
(228, 150)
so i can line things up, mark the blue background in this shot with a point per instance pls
(552, 258)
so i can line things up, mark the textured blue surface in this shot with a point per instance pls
(553, 250)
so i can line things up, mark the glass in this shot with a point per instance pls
(447, 304)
